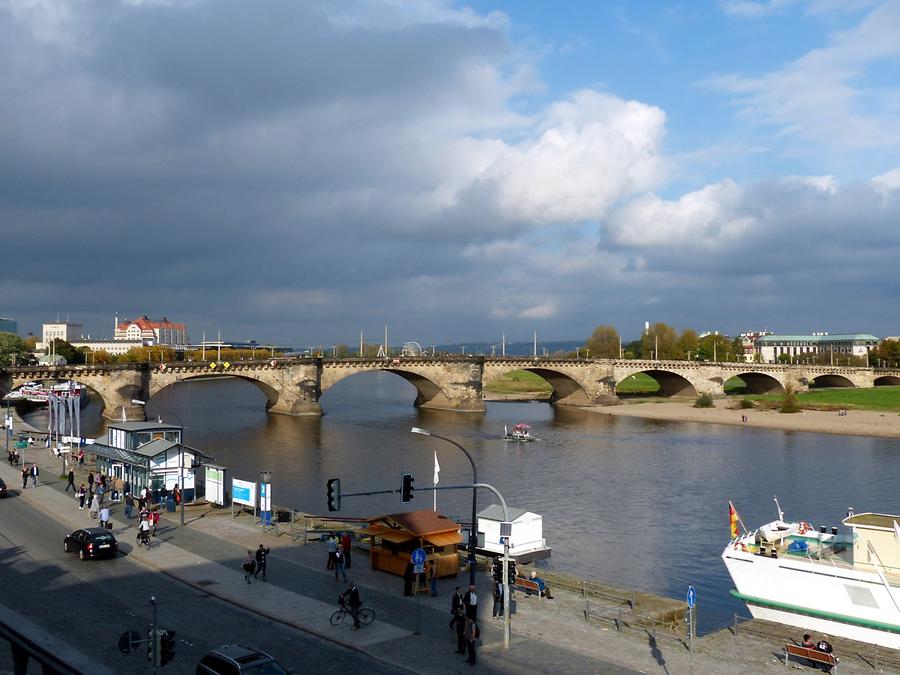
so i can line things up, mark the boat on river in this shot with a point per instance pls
(520, 433)
(845, 584)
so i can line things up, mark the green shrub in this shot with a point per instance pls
(789, 403)
(704, 401)
(746, 403)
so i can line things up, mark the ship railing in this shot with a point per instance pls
(839, 563)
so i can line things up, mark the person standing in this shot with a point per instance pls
(81, 494)
(331, 546)
(91, 483)
(455, 604)
(339, 564)
(25, 474)
(470, 600)
(129, 506)
(154, 515)
(497, 610)
(262, 556)
(346, 542)
(95, 506)
(471, 636)
(459, 623)
(431, 575)
(248, 566)
(71, 483)
(81, 457)
(35, 472)
(104, 516)
(118, 486)
(355, 603)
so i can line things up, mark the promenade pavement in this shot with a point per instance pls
(547, 636)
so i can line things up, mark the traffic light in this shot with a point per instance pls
(151, 638)
(333, 488)
(512, 571)
(406, 487)
(166, 647)
(154, 648)
(497, 569)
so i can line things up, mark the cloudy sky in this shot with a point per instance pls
(301, 171)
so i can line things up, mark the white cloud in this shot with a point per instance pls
(755, 8)
(888, 182)
(546, 310)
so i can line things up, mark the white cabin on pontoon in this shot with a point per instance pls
(526, 543)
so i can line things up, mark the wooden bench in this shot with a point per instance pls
(528, 586)
(813, 655)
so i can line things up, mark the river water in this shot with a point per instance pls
(642, 504)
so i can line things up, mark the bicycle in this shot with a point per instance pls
(366, 614)
(143, 539)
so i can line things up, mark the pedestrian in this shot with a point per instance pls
(470, 600)
(262, 555)
(71, 483)
(31, 442)
(408, 579)
(459, 623)
(472, 634)
(91, 483)
(339, 564)
(177, 494)
(346, 542)
(81, 457)
(101, 492)
(248, 566)
(154, 515)
(95, 507)
(497, 610)
(431, 575)
(144, 532)
(129, 506)
(104, 516)
(35, 472)
(331, 547)
(141, 501)
(455, 603)
(355, 603)
(25, 474)
(82, 493)
(118, 487)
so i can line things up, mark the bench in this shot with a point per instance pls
(528, 586)
(813, 655)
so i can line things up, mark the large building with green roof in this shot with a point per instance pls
(769, 348)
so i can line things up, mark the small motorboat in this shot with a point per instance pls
(520, 433)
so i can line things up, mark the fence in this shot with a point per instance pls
(666, 627)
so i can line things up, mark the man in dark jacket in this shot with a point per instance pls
(471, 601)
(71, 483)
(455, 604)
(354, 603)
(262, 555)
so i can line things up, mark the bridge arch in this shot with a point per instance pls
(761, 383)
(831, 380)
(670, 384)
(272, 395)
(887, 381)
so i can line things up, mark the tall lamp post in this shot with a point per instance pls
(473, 534)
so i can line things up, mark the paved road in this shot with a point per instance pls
(89, 604)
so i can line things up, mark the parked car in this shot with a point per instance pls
(3, 490)
(238, 659)
(91, 542)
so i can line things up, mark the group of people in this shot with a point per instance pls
(30, 472)
(821, 646)
(464, 611)
(254, 564)
(339, 558)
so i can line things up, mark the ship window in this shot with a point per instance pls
(861, 597)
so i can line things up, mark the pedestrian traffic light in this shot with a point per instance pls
(406, 487)
(333, 489)
(497, 569)
(512, 570)
(154, 646)
(166, 647)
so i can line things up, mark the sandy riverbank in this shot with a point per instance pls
(854, 423)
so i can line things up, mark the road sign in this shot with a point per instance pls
(418, 569)
(691, 596)
(418, 556)
(129, 641)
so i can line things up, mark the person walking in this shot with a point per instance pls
(35, 472)
(129, 506)
(25, 474)
(331, 546)
(248, 566)
(339, 564)
(262, 555)
(81, 494)
(104, 516)
(470, 600)
(154, 516)
(455, 603)
(346, 543)
(355, 603)
(497, 610)
(431, 575)
(95, 506)
(71, 483)
(91, 483)
(118, 487)
(471, 635)
(459, 623)
(144, 532)
(81, 457)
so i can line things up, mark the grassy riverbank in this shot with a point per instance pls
(885, 399)
(520, 382)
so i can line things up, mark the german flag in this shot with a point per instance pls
(733, 520)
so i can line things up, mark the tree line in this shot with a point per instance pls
(662, 342)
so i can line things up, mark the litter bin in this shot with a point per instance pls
(170, 504)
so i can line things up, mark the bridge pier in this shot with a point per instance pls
(133, 413)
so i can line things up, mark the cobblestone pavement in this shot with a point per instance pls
(547, 635)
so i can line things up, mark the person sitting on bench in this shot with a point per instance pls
(542, 585)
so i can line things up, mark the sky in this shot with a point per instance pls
(300, 172)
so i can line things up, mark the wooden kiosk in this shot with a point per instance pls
(397, 535)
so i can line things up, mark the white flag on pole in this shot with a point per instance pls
(896, 532)
(437, 469)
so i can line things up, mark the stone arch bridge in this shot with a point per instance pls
(295, 386)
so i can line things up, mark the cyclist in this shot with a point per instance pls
(354, 602)
(144, 532)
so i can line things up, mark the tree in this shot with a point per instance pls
(102, 356)
(659, 342)
(67, 351)
(715, 347)
(12, 348)
(604, 343)
(688, 344)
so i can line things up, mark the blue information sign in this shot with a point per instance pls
(418, 556)
(691, 596)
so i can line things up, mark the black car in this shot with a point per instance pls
(92, 542)
(237, 659)
(3, 490)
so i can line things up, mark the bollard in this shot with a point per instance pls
(633, 600)
(619, 620)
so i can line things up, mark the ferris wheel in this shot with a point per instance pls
(412, 349)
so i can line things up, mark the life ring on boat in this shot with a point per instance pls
(804, 527)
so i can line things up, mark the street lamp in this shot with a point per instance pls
(473, 534)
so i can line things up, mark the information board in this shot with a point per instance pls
(243, 492)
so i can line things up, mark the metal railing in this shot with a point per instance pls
(658, 628)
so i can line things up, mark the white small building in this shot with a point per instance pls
(526, 542)
(61, 330)
(769, 348)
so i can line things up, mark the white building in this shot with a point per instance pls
(526, 542)
(114, 347)
(152, 332)
(61, 330)
(797, 347)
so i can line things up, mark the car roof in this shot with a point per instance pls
(240, 653)
(96, 530)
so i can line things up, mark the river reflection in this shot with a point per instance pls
(637, 503)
